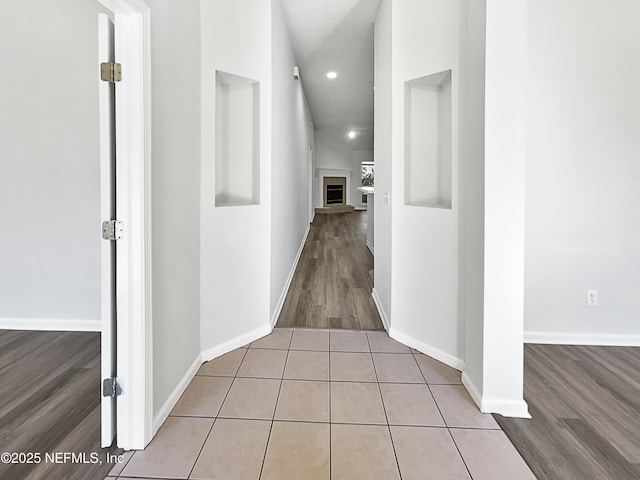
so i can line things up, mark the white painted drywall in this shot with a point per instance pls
(382, 158)
(175, 40)
(424, 240)
(421, 146)
(292, 135)
(583, 171)
(453, 269)
(237, 140)
(471, 197)
(49, 167)
(505, 120)
(235, 241)
(427, 141)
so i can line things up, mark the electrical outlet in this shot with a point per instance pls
(592, 298)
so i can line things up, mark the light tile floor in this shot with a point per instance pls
(326, 404)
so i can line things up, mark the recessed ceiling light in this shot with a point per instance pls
(352, 134)
(332, 75)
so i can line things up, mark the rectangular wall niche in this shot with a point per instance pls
(427, 141)
(237, 137)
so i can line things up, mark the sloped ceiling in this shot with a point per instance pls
(335, 35)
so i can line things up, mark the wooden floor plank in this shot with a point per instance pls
(331, 287)
(585, 404)
(50, 402)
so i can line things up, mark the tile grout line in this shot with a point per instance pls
(460, 453)
(317, 422)
(203, 444)
(384, 408)
(215, 419)
(125, 463)
(327, 381)
(443, 419)
(275, 407)
(431, 392)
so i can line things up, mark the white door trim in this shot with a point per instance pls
(107, 111)
(133, 199)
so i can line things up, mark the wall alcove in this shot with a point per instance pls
(237, 134)
(427, 141)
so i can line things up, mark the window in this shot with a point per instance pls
(367, 174)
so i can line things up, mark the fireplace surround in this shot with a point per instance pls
(333, 176)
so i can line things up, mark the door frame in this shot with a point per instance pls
(132, 21)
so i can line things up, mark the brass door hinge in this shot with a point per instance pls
(111, 72)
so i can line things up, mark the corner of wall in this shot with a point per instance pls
(283, 295)
(384, 316)
(506, 408)
(423, 347)
(171, 401)
(236, 342)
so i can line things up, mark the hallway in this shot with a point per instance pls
(319, 404)
(332, 284)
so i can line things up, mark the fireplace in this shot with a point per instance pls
(334, 189)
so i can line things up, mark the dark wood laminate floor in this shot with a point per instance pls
(332, 284)
(50, 402)
(585, 404)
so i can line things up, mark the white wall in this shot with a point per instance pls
(237, 140)
(235, 241)
(456, 274)
(292, 135)
(175, 40)
(583, 172)
(50, 181)
(505, 132)
(471, 198)
(49, 167)
(424, 240)
(382, 156)
(335, 150)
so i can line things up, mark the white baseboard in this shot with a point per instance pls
(444, 357)
(381, 311)
(506, 408)
(371, 249)
(360, 208)
(50, 324)
(287, 283)
(173, 398)
(205, 356)
(600, 339)
(236, 342)
(472, 388)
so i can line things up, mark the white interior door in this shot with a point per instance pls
(108, 212)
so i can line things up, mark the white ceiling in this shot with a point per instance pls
(335, 35)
